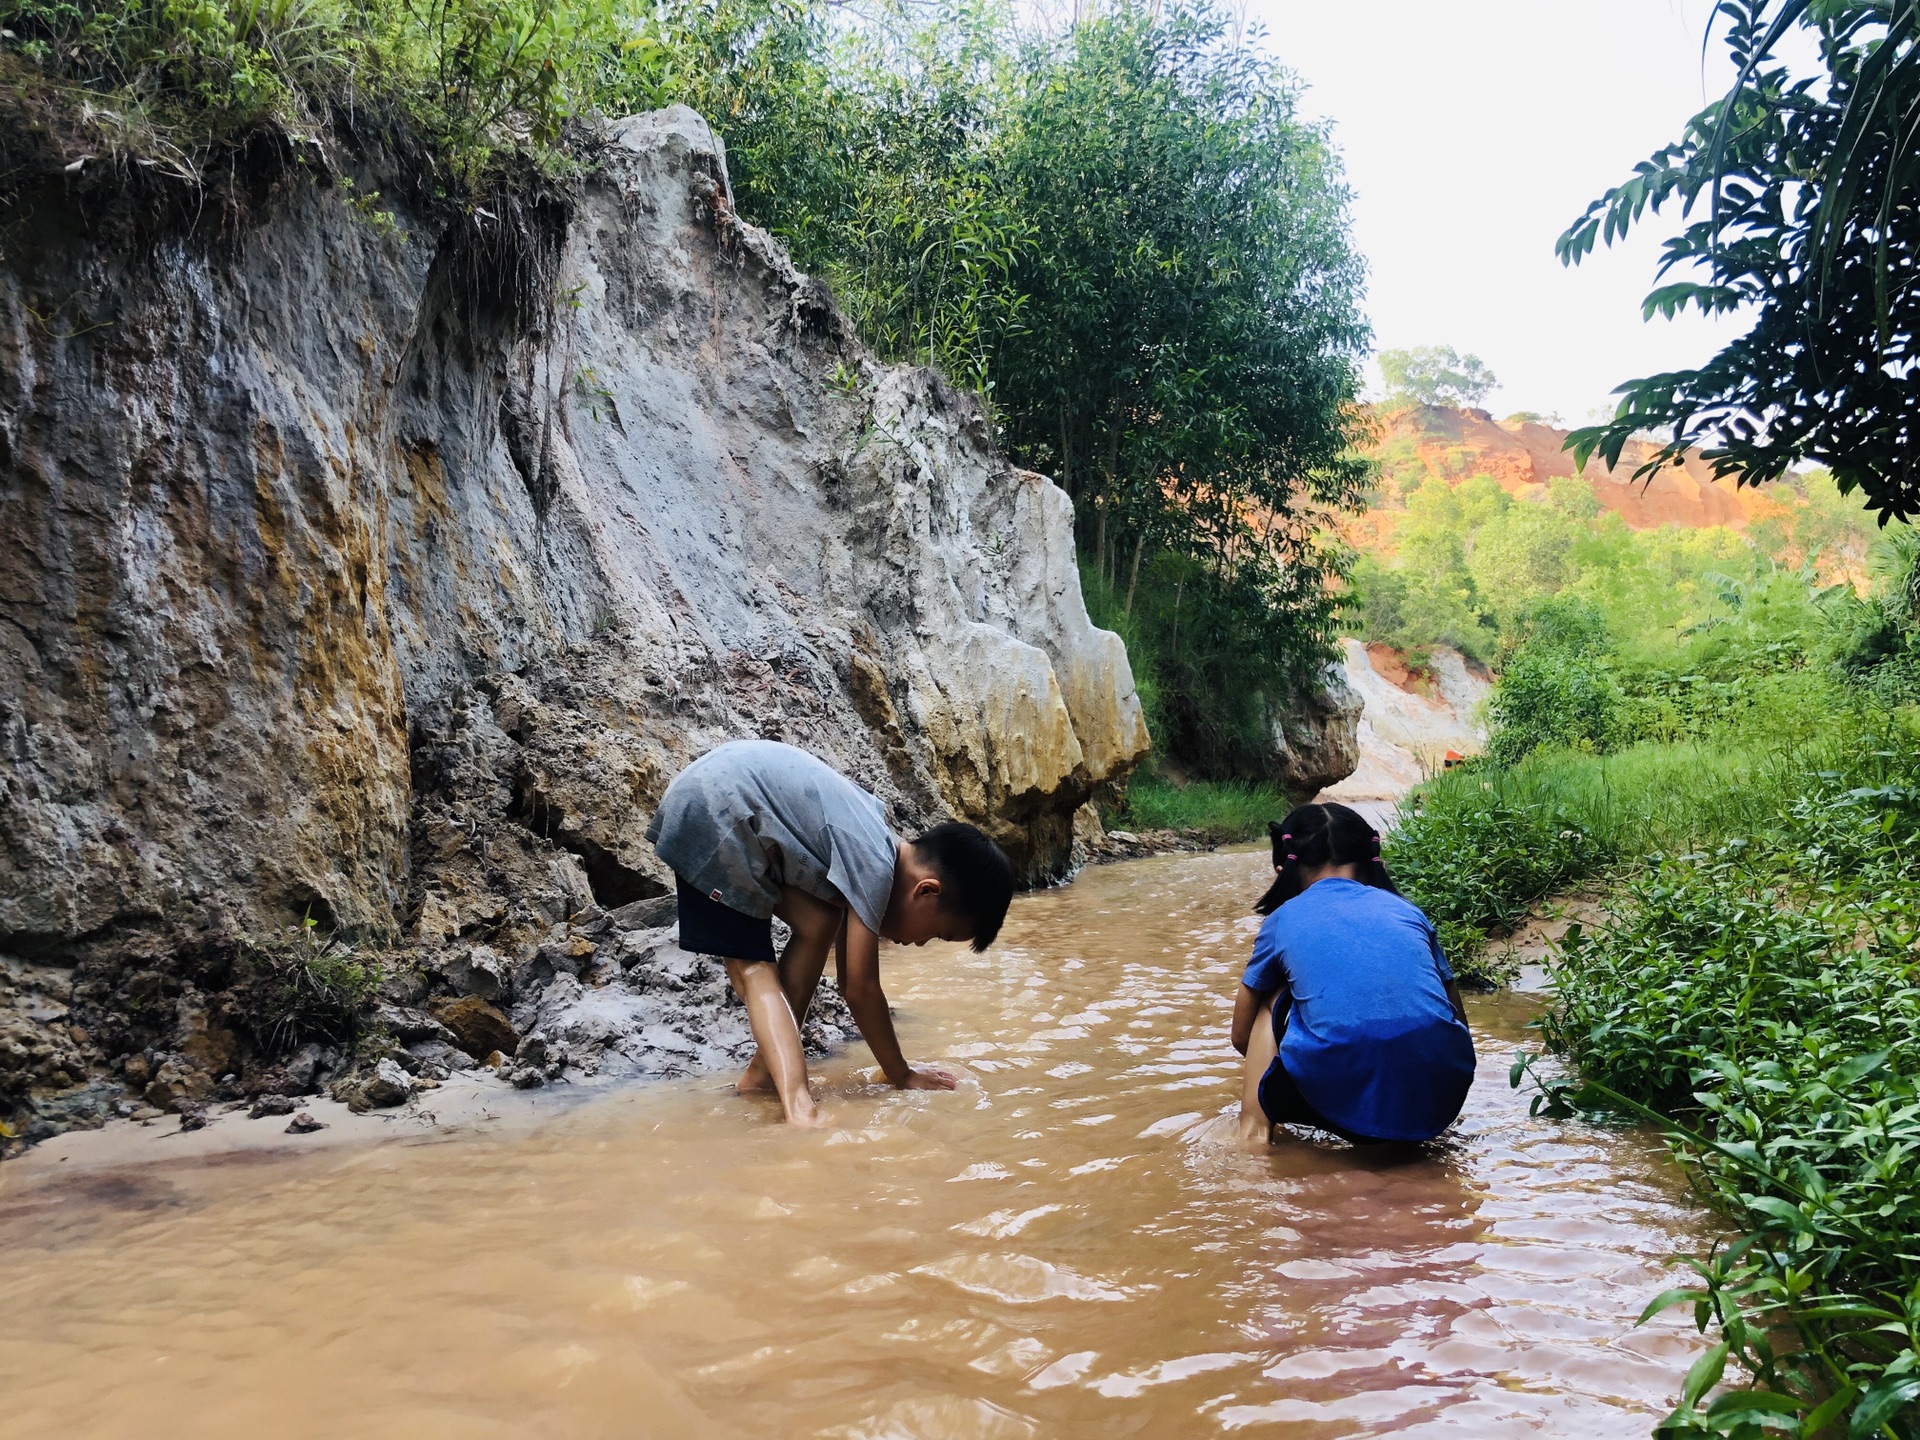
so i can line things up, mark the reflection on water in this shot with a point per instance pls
(1064, 1247)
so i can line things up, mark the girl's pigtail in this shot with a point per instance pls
(1317, 835)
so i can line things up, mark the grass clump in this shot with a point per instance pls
(1480, 845)
(1223, 811)
(1761, 1001)
(179, 79)
(302, 985)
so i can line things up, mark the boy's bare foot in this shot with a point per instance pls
(755, 1080)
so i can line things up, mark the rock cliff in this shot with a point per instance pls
(1409, 721)
(379, 571)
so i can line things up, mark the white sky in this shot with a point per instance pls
(1474, 131)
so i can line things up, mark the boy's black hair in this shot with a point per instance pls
(1315, 836)
(976, 878)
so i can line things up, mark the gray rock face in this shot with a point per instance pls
(384, 575)
(336, 587)
(644, 1006)
(1316, 742)
(287, 509)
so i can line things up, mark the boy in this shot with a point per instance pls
(756, 829)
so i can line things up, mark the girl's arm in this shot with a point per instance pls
(1247, 1005)
(1445, 972)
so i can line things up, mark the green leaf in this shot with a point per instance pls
(1827, 1411)
(1703, 1375)
(1789, 1215)
(1880, 1403)
(1667, 1299)
(1740, 1402)
(1860, 1067)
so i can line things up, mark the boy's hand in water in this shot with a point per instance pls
(929, 1079)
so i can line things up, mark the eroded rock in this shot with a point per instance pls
(398, 619)
(1316, 739)
(389, 1085)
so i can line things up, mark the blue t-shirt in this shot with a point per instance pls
(1373, 1041)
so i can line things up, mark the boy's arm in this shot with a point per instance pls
(859, 974)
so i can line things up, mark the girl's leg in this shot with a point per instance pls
(1262, 1046)
(777, 1034)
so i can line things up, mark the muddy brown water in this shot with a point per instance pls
(1067, 1246)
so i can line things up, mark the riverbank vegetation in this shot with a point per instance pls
(1748, 794)
(1748, 804)
(1746, 797)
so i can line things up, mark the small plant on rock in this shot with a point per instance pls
(303, 985)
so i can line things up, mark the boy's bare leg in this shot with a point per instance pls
(1255, 1128)
(777, 1035)
(815, 925)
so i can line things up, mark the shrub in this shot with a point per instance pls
(301, 985)
(182, 77)
(1475, 851)
(1760, 1001)
(1552, 698)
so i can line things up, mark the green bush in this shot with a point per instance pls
(1552, 698)
(1475, 849)
(1762, 1001)
(1481, 844)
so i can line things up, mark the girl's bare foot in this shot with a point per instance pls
(1254, 1133)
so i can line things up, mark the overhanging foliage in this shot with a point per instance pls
(1801, 191)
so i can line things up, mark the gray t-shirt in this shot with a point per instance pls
(754, 815)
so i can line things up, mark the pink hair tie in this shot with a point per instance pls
(1293, 857)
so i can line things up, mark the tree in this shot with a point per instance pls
(1802, 193)
(875, 151)
(1126, 237)
(1187, 361)
(1435, 375)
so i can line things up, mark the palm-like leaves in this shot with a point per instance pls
(1811, 221)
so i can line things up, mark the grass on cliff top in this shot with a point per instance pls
(171, 83)
(1224, 811)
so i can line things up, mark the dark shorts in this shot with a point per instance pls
(1283, 1103)
(709, 928)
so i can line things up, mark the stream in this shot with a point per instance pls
(1067, 1246)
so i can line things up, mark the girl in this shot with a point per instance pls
(1347, 1014)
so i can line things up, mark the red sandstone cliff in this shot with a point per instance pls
(1455, 444)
